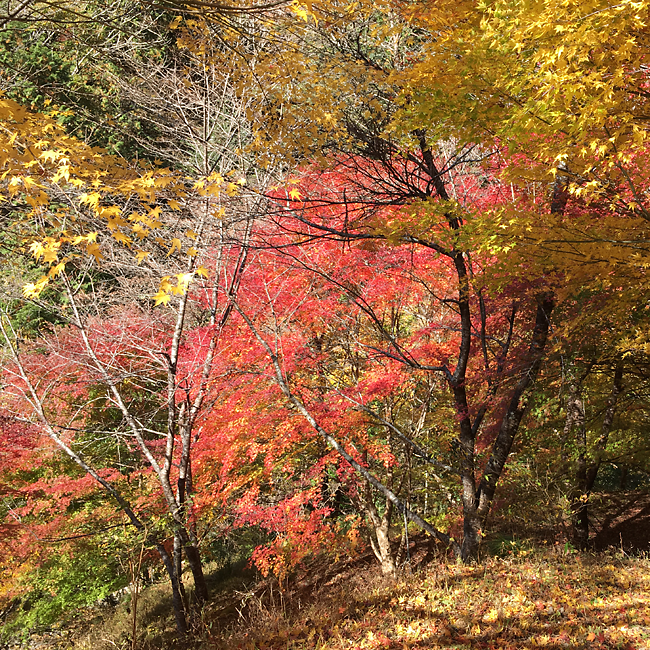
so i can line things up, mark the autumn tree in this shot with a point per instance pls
(571, 107)
(382, 172)
(305, 302)
(115, 236)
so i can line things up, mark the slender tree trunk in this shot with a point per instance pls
(380, 532)
(194, 560)
(625, 470)
(177, 596)
(386, 558)
(187, 537)
(467, 435)
(587, 472)
(178, 564)
(481, 501)
(579, 496)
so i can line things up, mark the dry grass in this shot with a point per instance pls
(538, 599)
(547, 598)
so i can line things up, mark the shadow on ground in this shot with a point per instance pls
(622, 520)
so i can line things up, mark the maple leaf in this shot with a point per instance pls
(184, 280)
(162, 298)
(300, 10)
(50, 251)
(94, 250)
(121, 237)
(34, 289)
(91, 199)
(63, 173)
(176, 246)
(36, 249)
(51, 156)
(57, 269)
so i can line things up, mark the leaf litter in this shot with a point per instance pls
(539, 599)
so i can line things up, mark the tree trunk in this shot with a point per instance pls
(625, 470)
(194, 560)
(177, 597)
(178, 565)
(185, 534)
(471, 535)
(379, 531)
(385, 552)
(580, 494)
(586, 472)
(475, 519)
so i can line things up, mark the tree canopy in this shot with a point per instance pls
(319, 270)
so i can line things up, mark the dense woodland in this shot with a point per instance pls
(296, 280)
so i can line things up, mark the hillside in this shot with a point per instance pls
(522, 594)
(324, 324)
(534, 598)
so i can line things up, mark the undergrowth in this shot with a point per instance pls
(550, 599)
(525, 598)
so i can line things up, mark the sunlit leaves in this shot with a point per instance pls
(47, 168)
(550, 597)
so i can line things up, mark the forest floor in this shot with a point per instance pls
(534, 593)
(533, 598)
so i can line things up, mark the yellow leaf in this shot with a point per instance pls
(162, 298)
(29, 182)
(93, 249)
(140, 232)
(121, 237)
(300, 11)
(294, 194)
(91, 199)
(111, 211)
(51, 252)
(55, 270)
(184, 280)
(192, 252)
(140, 255)
(176, 246)
(62, 173)
(33, 289)
(202, 271)
(36, 249)
(52, 156)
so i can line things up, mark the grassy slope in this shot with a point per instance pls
(546, 598)
(541, 599)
